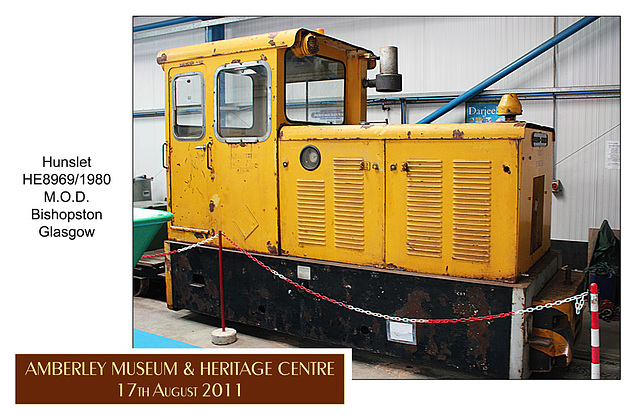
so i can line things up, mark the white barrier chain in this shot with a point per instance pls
(579, 304)
(198, 244)
(186, 248)
(579, 301)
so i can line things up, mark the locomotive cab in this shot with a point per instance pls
(228, 101)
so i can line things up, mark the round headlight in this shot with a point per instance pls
(310, 158)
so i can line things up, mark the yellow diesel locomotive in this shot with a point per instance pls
(268, 142)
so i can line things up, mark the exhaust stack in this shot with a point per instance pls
(388, 80)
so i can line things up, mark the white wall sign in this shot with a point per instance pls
(613, 154)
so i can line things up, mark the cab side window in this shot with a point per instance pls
(188, 106)
(314, 89)
(243, 105)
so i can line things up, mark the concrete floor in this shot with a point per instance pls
(152, 315)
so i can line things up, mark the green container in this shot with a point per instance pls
(161, 236)
(146, 223)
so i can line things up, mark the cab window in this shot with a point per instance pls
(188, 106)
(243, 106)
(314, 89)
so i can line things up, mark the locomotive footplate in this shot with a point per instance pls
(256, 297)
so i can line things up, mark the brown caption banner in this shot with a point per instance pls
(180, 379)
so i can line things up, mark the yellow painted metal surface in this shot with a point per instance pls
(215, 185)
(467, 200)
(457, 198)
(535, 163)
(167, 275)
(189, 178)
(452, 208)
(408, 131)
(188, 55)
(558, 344)
(269, 41)
(335, 212)
(557, 335)
(509, 105)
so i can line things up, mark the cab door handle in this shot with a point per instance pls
(164, 155)
(206, 147)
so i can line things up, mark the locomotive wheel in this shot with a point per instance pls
(140, 286)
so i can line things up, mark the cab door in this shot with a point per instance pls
(189, 153)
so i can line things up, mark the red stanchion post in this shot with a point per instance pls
(220, 270)
(222, 336)
(595, 333)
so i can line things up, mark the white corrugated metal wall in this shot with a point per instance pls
(148, 102)
(448, 55)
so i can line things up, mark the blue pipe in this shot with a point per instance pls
(508, 69)
(407, 101)
(214, 33)
(423, 99)
(164, 23)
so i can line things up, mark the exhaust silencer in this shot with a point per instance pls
(388, 80)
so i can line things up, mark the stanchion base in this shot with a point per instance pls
(220, 337)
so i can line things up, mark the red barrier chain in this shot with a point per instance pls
(579, 300)
(291, 282)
